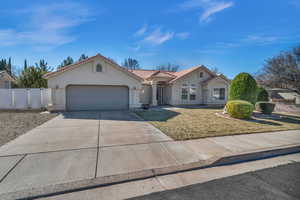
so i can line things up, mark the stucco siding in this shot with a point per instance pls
(216, 83)
(146, 94)
(86, 75)
(190, 79)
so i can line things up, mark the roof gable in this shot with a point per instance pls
(91, 59)
(217, 77)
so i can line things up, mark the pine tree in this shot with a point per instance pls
(68, 61)
(130, 63)
(8, 67)
(2, 64)
(82, 57)
(43, 65)
(25, 64)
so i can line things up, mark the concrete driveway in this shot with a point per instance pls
(79, 130)
(78, 146)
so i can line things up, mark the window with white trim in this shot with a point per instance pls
(193, 90)
(201, 74)
(184, 92)
(99, 68)
(219, 93)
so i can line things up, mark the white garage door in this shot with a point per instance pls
(87, 97)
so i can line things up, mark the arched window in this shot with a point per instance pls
(98, 68)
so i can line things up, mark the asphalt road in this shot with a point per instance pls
(281, 182)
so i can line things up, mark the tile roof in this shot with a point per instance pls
(141, 74)
(182, 73)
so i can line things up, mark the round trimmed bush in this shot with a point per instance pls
(239, 109)
(243, 87)
(262, 94)
(265, 107)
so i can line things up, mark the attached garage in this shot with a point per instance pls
(97, 97)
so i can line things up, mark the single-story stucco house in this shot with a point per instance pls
(6, 80)
(98, 83)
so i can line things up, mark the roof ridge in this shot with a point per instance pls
(143, 70)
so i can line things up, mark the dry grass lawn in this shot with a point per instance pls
(183, 124)
(16, 123)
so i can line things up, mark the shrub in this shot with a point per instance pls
(243, 87)
(239, 109)
(265, 107)
(262, 94)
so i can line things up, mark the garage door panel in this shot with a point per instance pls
(84, 97)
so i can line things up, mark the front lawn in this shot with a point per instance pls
(183, 124)
(14, 124)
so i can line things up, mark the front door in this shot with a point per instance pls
(160, 95)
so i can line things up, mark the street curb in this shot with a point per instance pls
(74, 186)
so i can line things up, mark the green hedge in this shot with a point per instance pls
(262, 94)
(243, 87)
(239, 109)
(265, 107)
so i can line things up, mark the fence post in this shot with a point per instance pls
(42, 100)
(13, 102)
(28, 99)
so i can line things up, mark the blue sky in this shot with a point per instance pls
(232, 35)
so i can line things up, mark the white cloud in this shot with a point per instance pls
(260, 39)
(183, 35)
(158, 37)
(155, 35)
(142, 30)
(211, 10)
(208, 7)
(257, 40)
(46, 25)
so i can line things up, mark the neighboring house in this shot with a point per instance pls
(6, 80)
(284, 95)
(98, 83)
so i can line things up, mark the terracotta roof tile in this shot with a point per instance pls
(143, 73)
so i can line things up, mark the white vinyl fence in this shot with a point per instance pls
(25, 98)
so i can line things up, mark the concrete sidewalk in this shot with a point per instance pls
(88, 149)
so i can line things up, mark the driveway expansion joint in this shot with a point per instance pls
(15, 165)
(98, 146)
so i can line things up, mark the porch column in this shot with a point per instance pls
(154, 91)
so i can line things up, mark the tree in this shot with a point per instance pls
(130, 63)
(9, 67)
(6, 65)
(25, 64)
(82, 57)
(262, 94)
(3, 64)
(68, 61)
(43, 65)
(282, 71)
(32, 77)
(168, 67)
(243, 87)
(215, 70)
